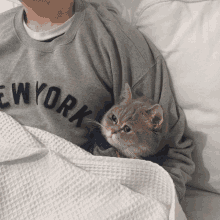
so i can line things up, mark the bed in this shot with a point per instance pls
(186, 33)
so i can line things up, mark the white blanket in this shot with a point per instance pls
(44, 177)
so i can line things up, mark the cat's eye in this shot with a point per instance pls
(114, 119)
(126, 129)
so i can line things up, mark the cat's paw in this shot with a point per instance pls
(110, 152)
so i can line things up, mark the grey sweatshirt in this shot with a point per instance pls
(56, 85)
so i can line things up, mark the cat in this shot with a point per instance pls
(133, 127)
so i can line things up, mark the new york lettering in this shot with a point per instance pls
(22, 91)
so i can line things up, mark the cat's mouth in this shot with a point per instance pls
(111, 139)
(108, 134)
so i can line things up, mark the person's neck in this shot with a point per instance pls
(45, 15)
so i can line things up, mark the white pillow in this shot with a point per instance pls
(188, 35)
(5, 5)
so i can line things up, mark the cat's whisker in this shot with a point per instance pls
(93, 121)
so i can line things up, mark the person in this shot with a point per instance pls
(63, 62)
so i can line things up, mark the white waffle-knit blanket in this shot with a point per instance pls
(44, 177)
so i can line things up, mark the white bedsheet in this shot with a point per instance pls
(44, 177)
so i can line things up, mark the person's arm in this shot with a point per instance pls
(134, 59)
(177, 161)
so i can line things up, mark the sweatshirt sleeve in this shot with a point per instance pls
(135, 60)
(176, 144)
(178, 161)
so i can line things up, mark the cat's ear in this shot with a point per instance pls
(126, 95)
(155, 113)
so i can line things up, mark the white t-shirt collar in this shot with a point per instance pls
(50, 32)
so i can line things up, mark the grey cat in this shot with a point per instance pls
(133, 127)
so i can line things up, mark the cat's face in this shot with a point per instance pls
(133, 127)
